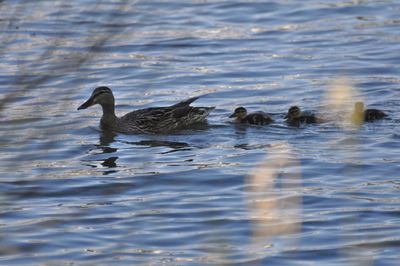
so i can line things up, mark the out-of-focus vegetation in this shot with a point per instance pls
(27, 75)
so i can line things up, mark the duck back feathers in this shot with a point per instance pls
(373, 114)
(257, 118)
(164, 119)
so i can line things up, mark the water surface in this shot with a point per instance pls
(219, 194)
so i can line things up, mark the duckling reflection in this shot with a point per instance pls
(256, 118)
(360, 115)
(295, 117)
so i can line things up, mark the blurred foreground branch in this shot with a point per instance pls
(27, 77)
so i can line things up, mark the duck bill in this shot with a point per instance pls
(87, 104)
(286, 117)
(232, 116)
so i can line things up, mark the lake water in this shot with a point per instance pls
(216, 195)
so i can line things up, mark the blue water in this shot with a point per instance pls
(221, 194)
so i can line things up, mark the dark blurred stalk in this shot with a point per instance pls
(25, 77)
(19, 12)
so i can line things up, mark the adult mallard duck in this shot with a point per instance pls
(150, 120)
(360, 115)
(295, 117)
(256, 118)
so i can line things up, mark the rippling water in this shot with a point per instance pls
(220, 194)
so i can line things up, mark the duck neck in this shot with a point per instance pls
(109, 119)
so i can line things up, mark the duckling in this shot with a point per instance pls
(360, 115)
(257, 118)
(150, 120)
(295, 117)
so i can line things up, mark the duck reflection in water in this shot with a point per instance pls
(106, 138)
(108, 153)
(102, 154)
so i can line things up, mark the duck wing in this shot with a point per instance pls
(185, 103)
(155, 114)
(258, 118)
(164, 119)
(146, 120)
(184, 114)
(183, 108)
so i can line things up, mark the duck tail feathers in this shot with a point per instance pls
(186, 102)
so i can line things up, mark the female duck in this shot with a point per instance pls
(149, 120)
(257, 118)
(295, 117)
(360, 115)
